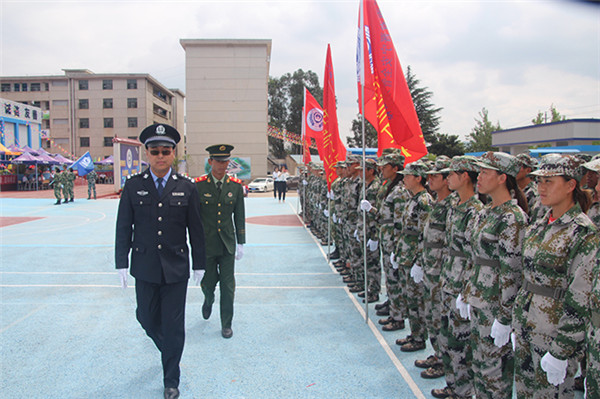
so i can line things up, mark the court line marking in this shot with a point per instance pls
(14, 323)
(250, 287)
(115, 273)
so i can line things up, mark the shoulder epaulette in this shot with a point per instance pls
(235, 180)
(134, 175)
(201, 178)
(185, 177)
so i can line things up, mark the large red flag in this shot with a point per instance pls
(388, 105)
(312, 120)
(332, 144)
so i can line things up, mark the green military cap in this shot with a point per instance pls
(386, 151)
(351, 158)
(561, 165)
(369, 163)
(220, 152)
(340, 164)
(526, 160)
(393, 158)
(594, 165)
(501, 162)
(441, 164)
(416, 169)
(466, 163)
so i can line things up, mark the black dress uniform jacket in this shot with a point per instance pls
(154, 229)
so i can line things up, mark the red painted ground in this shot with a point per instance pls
(10, 220)
(277, 220)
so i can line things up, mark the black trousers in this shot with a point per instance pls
(281, 188)
(161, 313)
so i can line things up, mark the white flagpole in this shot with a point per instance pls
(303, 149)
(361, 47)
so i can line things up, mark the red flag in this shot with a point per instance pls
(312, 121)
(388, 103)
(332, 144)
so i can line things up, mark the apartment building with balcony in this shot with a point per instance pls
(83, 111)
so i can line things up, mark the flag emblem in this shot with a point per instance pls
(314, 119)
(160, 129)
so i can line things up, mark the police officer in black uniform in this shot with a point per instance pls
(157, 208)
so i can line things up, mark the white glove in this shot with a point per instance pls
(326, 213)
(365, 205)
(331, 196)
(513, 339)
(334, 218)
(372, 244)
(304, 182)
(239, 251)
(463, 308)
(320, 206)
(123, 277)
(556, 370)
(393, 261)
(356, 235)
(500, 333)
(198, 275)
(416, 272)
(327, 195)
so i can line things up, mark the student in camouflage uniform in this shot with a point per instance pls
(334, 200)
(592, 348)
(57, 186)
(372, 184)
(434, 253)
(594, 211)
(389, 218)
(409, 254)
(91, 181)
(338, 215)
(495, 276)
(560, 252)
(352, 198)
(455, 338)
(69, 185)
(527, 185)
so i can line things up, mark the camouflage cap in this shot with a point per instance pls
(561, 165)
(584, 157)
(526, 160)
(387, 151)
(459, 163)
(597, 156)
(370, 163)
(594, 165)
(351, 158)
(501, 162)
(416, 169)
(394, 159)
(340, 164)
(442, 163)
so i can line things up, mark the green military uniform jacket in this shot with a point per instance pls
(223, 216)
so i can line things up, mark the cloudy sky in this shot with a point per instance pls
(514, 58)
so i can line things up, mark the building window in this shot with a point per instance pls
(132, 103)
(34, 114)
(46, 86)
(24, 87)
(108, 123)
(84, 141)
(132, 122)
(108, 141)
(83, 85)
(60, 103)
(107, 103)
(131, 84)
(84, 123)
(36, 87)
(84, 104)
(17, 87)
(160, 111)
(5, 86)
(107, 84)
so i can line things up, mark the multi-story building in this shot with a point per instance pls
(84, 111)
(20, 124)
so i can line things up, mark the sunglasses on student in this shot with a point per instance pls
(164, 152)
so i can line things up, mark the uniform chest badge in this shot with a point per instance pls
(230, 194)
(208, 195)
(174, 194)
(142, 193)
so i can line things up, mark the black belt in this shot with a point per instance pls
(453, 252)
(487, 262)
(556, 293)
(387, 221)
(410, 232)
(427, 244)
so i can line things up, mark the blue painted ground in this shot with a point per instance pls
(67, 329)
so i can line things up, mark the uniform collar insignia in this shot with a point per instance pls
(142, 193)
(174, 177)
(146, 175)
(209, 195)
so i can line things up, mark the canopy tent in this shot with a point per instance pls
(6, 151)
(15, 148)
(62, 160)
(106, 161)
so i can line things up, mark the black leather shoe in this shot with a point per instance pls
(383, 312)
(394, 326)
(171, 393)
(382, 305)
(356, 289)
(335, 254)
(361, 294)
(383, 322)
(226, 332)
(372, 298)
(206, 310)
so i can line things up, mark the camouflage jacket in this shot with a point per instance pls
(459, 220)
(560, 257)
(91, 176)
(352, 199)
(531, 194)
(594, 214)
(389, 216)
(434, 234)
(495, 276)
(371, 191)
(410, 242)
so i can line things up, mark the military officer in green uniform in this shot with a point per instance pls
(223, 216)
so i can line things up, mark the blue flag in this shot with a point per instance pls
(84, 165)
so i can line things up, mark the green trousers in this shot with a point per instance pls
(220, 269)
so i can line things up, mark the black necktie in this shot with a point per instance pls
(219, 187)
(159, 186)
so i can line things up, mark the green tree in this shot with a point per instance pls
(446, 144)
(286, 98)
(480, 138)
(542, 118)
(427, 113)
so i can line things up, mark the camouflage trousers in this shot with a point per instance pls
(392, 284)
(57, 191)
(67, 192)
(493, 367)
(530, 380)
(413, 299)
(354, 254)
(373, 271)
(432, 308)
(455, 344)
(592, 379)
(91, 187)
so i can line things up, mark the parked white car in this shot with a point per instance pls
(262, 184)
